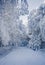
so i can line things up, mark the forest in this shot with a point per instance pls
(12, 30)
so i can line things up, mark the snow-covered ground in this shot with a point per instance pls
(23, 56)
(5, 50)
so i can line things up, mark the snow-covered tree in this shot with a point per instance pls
(10, 31)
(24, 7)
(37, 27)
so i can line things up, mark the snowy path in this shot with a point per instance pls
(23, 56)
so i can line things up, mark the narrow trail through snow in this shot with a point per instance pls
(23, 56)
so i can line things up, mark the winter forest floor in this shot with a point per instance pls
(5, 50)
(23, 56)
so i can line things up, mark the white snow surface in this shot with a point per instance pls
(23, 56)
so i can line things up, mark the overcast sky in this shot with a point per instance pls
(34, 3)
